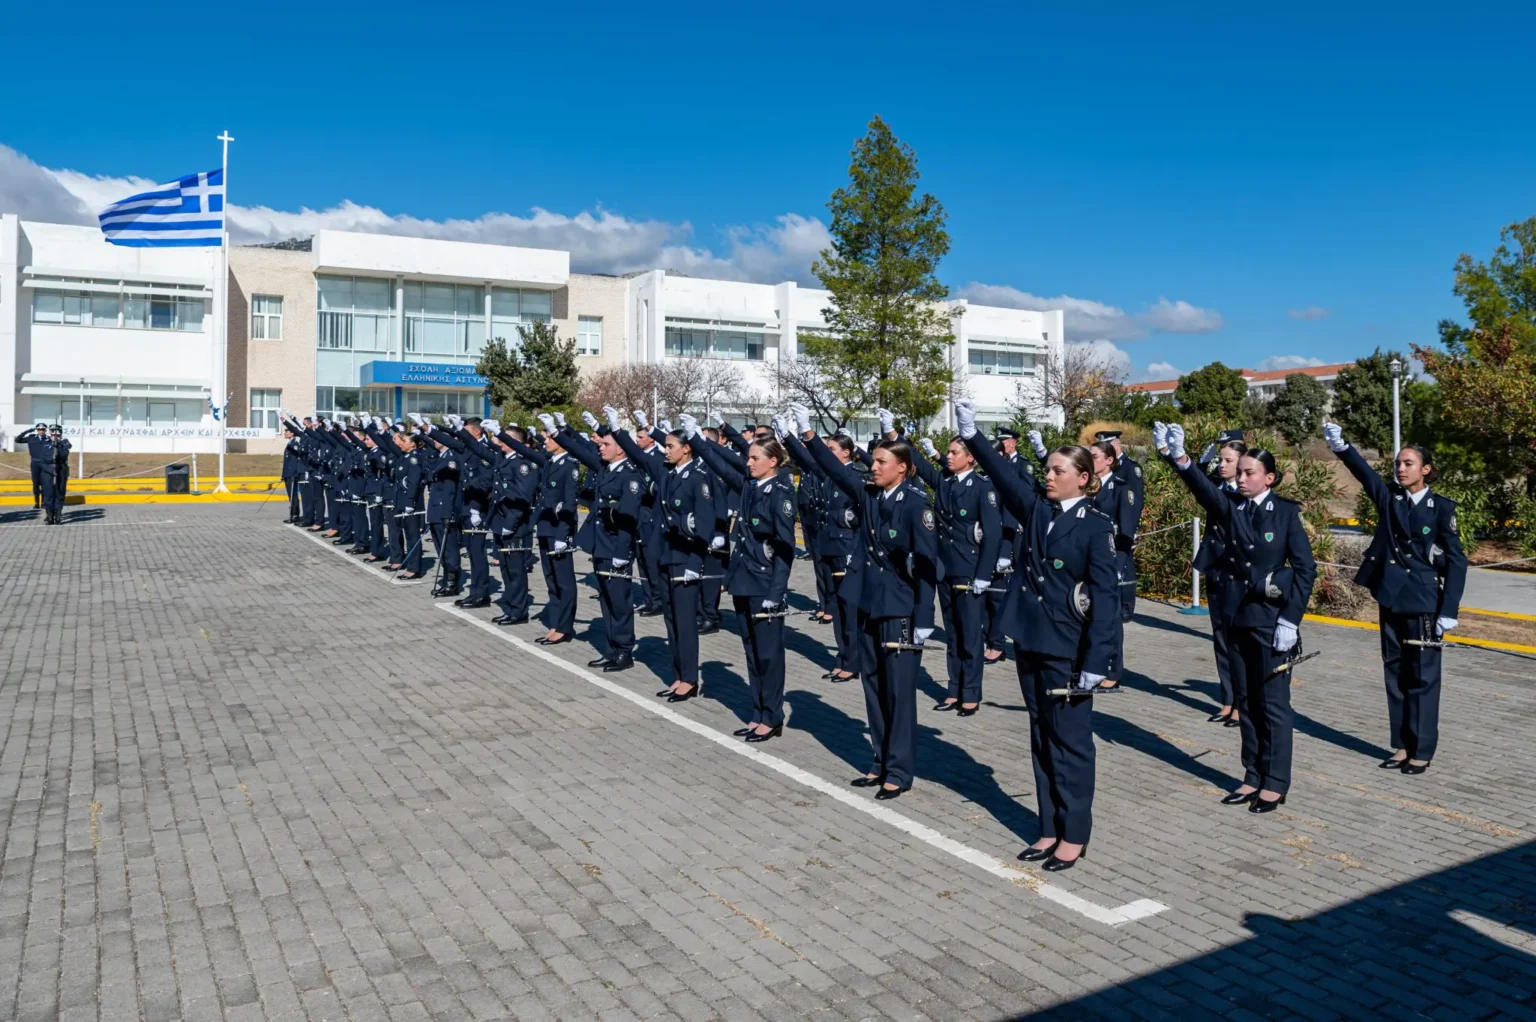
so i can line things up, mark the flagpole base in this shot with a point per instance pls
(221, 488)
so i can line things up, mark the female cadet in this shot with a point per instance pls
(1416, 571)
(1267, 574)
(838, 557)
(681, 527)
(1222, 457)
(900, 553)
(762, 552)
(1066, 551)
(615, 492)
(1116, 498)
(970, 538)
(555, 528)
(409, 484)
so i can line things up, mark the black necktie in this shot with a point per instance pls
(1055, 509)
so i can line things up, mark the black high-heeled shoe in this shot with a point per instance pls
(1238, 798)
(1414, 769)
(1233, 722)
(1262, 806)
(885, 794)
(1392, 764)
(1038, 854)
(1219, 716)
(945, 707)
(764, 736)
(1055, 865)
(866, 782)
(741, 732)
(663, 693)
(683, 697)
(966, 711)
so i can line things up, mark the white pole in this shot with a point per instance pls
(80, 470)
(223, 293)
(655, 408)
(1397, 429)
(1194, 593)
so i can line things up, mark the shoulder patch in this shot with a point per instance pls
(992, 497)
(575, 473)
(928, 518)
(703, 488)
(522, 470)
(900, 494)
(634, 486)
(1130, 496)
(788, 507)
(413, 459)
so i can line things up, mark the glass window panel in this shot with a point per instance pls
(104, 310)
(189, 315)
(504, 303)
(322, 398)
(335, 293)
(47, 308)
(45, 409)
(371, 295)
(437, 336)
(162, 313)
(370, 333)
(437, 298)
(189, 413)
(469, 301)
(162, 413)
(136, 312)
(334, 368)
(413, 297)
(258, 328)
(474, 336)
(537, 303)
(348, 399)
(74, 307)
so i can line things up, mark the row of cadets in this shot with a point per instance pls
(1416, 571)
(1267, 575)
(48, 453)
(839, 554)
(900, 552)
(1063, 616)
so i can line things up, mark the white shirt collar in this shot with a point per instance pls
(1070, 503)
(559, 457)
(763, 484)
(890, 491)
(1105, 477)
(615, 464)
(960, 476)
(1261, 498)
(1417, 497)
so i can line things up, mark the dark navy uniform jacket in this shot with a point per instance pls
(559, 482)
(514, 494)
(656, 454)
(1415, 564)
(763, 536)
(970, 521)
(900, 548)
(1213, 539)
(410, 476)
(1118, 501)
(614, 496)
(442, 472)
(841, 534)
(293, 458)
(683, 521)
(1267, 552)
(1042, 608)
(38, 446)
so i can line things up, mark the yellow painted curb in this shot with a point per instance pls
(1498, 613)
(1460, 640)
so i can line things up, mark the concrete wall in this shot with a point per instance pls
(595, 295)
(287, 364)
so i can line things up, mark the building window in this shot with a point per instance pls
(988, 362)
(689, 339)
(354, 313)
(444, 319)
(333, 401)
(589, 335)
(164, 313)
(265, 405)
(512, 308)
(266, 317)
(142, 313)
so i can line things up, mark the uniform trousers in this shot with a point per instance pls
(653, 583)
(819, 570)
(763, 642)
(1265, 704)
(965, 616)
(559, 611)
(890, 700)
(615, 598)
(446, 536)
(1125, 561)
(314, 503)
(396, 530)
(1413, 683)
(292, 486)
(61, 479)
(378, 543)
(1221, 641)
(514, 600)
(39, 469)
(851, 640)
(479, 563)
(345, 517)
(362, 522)
(52, 499)
(410, 535)
(680, 612)
(715, 563)
(1060, 746)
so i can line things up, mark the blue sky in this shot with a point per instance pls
(1191, 183)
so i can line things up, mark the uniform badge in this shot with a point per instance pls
(788, 509)
(677, 502)
(962, 512)
(1269, 537)
(928, 518)
(703, 488)
(1269, 505)
(900, 494)
(1453, 522)
(969, 481)
(1111, 538)
(754, 521)
(634, 486)
(992, 498)
(574, 473)
(522, 470)
(891, 533)
(413, 459)
(1057, 564)
(1130, 497)
(849, 517)
(1138, 471)
(1426, 530)
(451, 464)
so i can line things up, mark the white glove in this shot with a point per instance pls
(665, 425)
(1285, 635)
(928, 447)
(770, 604)
(980, 585)
(690, 425)
(921, 634)
(887, 420)
(689, 575)
(558, 545)
(1037, 443)
(410, 510)
(589, 419)
(717, 543)
(965, 417)
(1207, 454)
(802, 416)
(615, 422)
(621, 562)
(560, 419)
(456, 422)
(1003, 564)
(547, 421)
(1086, 680)
(1445, 624)
(717, 418)
(1176, 442)
(490, 426)
(474, 518)
(843, 431)
(641, 420)
(1334, 434)
(1160, 436)
(780, 427)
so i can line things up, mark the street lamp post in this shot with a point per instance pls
(1396, 366)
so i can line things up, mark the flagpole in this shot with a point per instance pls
(223, 383)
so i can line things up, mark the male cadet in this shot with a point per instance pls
(478, 461)
(514, 492)
(609, 535)
(651, 582)
(293, 469)
(555, 528)
(314, 465)
(1006, 440)
(60, 467)
(442, 472)
(40, 447)
(1127, 474)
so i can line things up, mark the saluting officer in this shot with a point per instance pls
(1128, 477)
(1268, 573)
(443, 502)
(410, 486)
(1219, 459)
(613, 495)
(970, 536)
(1117, 500)
(40, 450)
(293, 470)
(1416, 571)
(1006, 440)
(477, 472)
(514, 493)
(555, 529)
(652, 453)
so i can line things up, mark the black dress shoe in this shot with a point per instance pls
(1217, 718)
(1037, 854)
(666, 692)
(1261, 806)
(1237, 799)
(473, 602)
(742, 732)
(1413, 769)
(709, 629)
(1232, 722)
(1055, 865)
(649, 611)
(865, 782)
(776, 732)
(1392, 764)
(601, 661)
(886, 794)
(683, 697)
(542, 641)
(340, 542)
(507, 620)
(620, 663)
(945, 707)
(962, 711)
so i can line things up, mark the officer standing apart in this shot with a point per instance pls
(61, 448)
(1268, 574)
(1416, 571)
(608, 535)
(1062, 615)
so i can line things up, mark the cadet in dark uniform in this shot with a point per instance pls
(1007, 441)
(555, 528)
(900, 574)
(1416, 571)
(811, 502)
(293, 469)
(970, 536)
(443, 504)
(40, 450)
(514, 494)
(477, 475)
(1117, 500)
(1128, 476)
(681, 528)
(1219, 460)
(1267, 573)
(613, 495)
(652, 584)
(61, 448)
(410, 485)
(375, 486)
(1066, 560)
(762, 553)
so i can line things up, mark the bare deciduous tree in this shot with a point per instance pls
(834, 405)
(1072, 382)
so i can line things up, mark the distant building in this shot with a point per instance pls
(1260, 384)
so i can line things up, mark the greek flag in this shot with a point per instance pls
(189, 211)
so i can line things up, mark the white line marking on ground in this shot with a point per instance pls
(1126, 913)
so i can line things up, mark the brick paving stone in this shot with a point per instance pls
(240, 778)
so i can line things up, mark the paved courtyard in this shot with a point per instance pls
(244, 776)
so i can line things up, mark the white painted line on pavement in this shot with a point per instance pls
(1126, 913)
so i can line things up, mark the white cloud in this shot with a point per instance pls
(1106, 354)
(1274, 362)
(599, 241)
(1310, 312)
(1090, 320)
(1159, 371)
